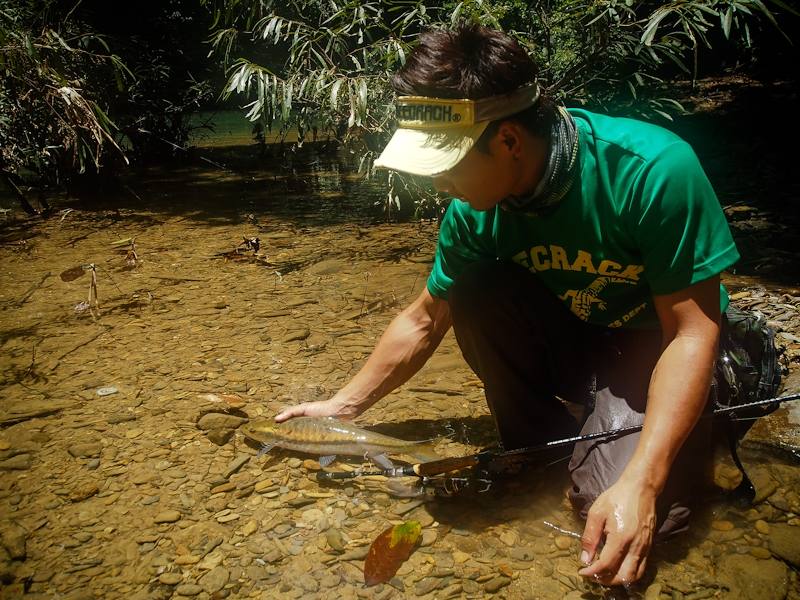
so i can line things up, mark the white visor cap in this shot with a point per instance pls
(434, 134)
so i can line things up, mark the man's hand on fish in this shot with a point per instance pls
(332, 407)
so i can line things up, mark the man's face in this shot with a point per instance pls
(483, 179)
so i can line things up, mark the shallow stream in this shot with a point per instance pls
(109, 488)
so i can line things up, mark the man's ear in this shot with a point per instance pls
(508, 134)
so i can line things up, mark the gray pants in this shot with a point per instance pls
(529, 350)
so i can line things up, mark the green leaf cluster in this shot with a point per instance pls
(322, 67)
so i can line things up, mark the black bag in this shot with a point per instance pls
(746, 371)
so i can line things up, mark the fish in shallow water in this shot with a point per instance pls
(330, 437)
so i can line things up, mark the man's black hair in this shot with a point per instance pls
(471, 61)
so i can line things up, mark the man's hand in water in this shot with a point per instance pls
(333, 407)
(624, 516)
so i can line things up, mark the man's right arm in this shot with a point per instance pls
(403, 349)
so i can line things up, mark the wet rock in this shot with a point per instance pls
(523, 554)
(171, 578)
(237, 464)
(762, 527)
(220, 436)
(167, 516)
(509, 538)
(215, 579)
(335, 539)
(85, 450)
(14, 538)
(721, 525)
(496, 584)
(428, 538)
(219, 421)
(563, 542)
(764, 483)
(784, 542)
(653, 592)
(426, 585)
(225, 487)
(760, 552)
(296, 335)
(749, 577)
(20, 462)
(188, 589)
(84, 491)
(249, 528)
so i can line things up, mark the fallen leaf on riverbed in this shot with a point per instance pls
(390, 550)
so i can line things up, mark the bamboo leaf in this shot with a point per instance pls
(726, 18)
(389, 551)
(335, 90)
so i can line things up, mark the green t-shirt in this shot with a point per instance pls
(640, 220)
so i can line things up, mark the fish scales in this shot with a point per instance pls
(326, 436)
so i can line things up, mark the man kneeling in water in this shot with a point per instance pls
(579, 258)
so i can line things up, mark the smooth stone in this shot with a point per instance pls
(83, 492)
(335, 539)
(722, 525)
(509, 538)
(120, 418)
(188, 589)
(496, 584)
(563, 542)
(760, 552)
(523, 554)
(167, 516)
(85, 450)
(762, 527)
(225, 487)
(249, 528)
(784, 542)
(752, 577)
(297, 335)
(171, 578)
(148, 538)
(426, 585)
(215, 579)
(262, 485)
(133, 433)
(653, 591)
(228, 518)
(428, 537)
(20, 462)
(219, 421)
(220, 436)
(237, 464)
(14, 538)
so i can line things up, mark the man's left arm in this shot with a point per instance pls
(624, 516)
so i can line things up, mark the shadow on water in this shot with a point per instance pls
(309, 186)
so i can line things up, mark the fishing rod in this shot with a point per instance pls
(490, 458)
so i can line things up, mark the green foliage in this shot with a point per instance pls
(323, 67)
(53, 119)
